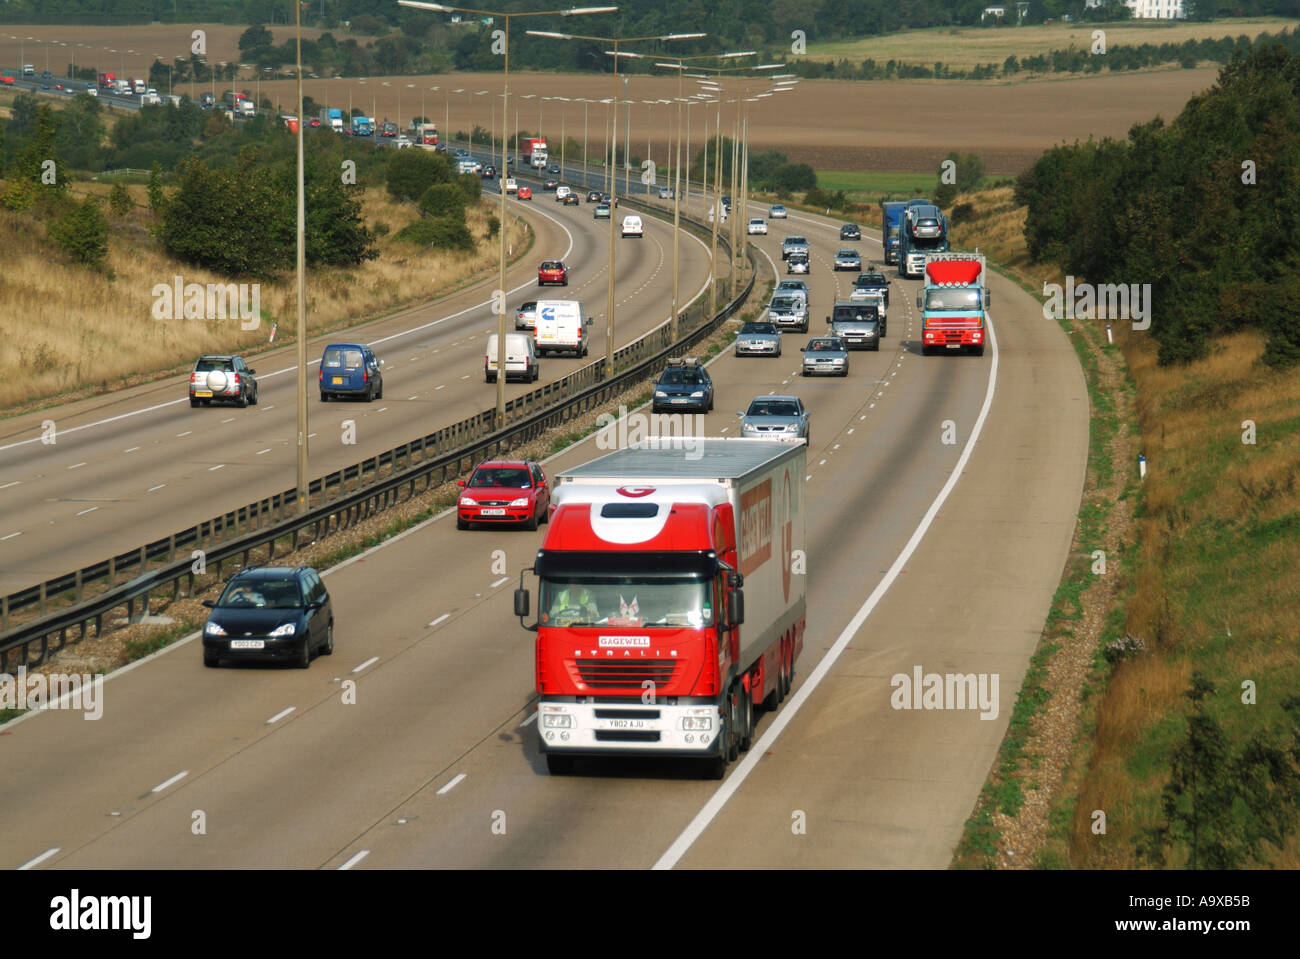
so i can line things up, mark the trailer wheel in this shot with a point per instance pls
(731, 724)
(745, 731)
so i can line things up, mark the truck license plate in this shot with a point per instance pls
(248, 644)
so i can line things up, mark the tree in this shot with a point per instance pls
(443, 199)
(38, 170)
(254, 37)
(119, 201)
(411, 172)
(82, 233)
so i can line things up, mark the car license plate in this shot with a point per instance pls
(248, 644)
(202, 392)
(338, 380)
(492, 512)
(679, 399)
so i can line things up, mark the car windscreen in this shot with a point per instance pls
(848, 254)
(952, 299)
(757, 328)
(348, 359)
(785, 303)
(552, 265)
(859, 314)
(504, 477)
(772, 408)
(262, 594)
(821, 346)
(870, 279)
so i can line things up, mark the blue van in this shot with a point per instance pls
(350, 369)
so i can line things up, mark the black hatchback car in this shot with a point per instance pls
(850, 231)
(270, 612)
(683, 385)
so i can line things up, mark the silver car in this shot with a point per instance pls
(788, 313)
(848, 260)
(797, 263)
(826, 355)
(758, 339)
(858, 324)
(776, 212)
(794, 244)
(793, 287)
(776, 418)
(757, 226)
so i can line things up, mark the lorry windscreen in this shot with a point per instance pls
(952, 299)
(641, 601)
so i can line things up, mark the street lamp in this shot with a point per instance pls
(501, 291)
(562, 133)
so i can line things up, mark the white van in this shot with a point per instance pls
(521, 358)
(632, 226)
(561, 328)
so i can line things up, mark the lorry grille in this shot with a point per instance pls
(626, 736)
(614, 674)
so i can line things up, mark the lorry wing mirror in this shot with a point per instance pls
(736, 608)
(521, 603)
(988, 296)
(828, 319)
(735, 579)
(590, 321)
(918, 300)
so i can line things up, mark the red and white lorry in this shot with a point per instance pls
(954, 303)
(671, 599)
(534, 151)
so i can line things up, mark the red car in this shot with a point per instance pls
(524, 193)
(504, 491)
(552, 271)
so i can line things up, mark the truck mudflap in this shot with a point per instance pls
(607, 729)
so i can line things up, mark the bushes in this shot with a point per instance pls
(82, 233)
(410, 173)
(441, 232)
(444, 200)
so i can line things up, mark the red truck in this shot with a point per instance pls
(954, 303)
(671, 599)
(107, 81)
(534, 151)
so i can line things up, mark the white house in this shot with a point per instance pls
(1156, 9)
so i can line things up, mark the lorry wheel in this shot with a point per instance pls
(559, 765)
(731, 728)
(745, 734)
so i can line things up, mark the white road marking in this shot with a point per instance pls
(186, 433)
(371, 661)
(152, 488)
(280, 715)
(131, 450)
(499, 582)
(229, 419)
(11, 536)
(851, 428)
(822, 463)
(33, 863)
(440, 619)
(267, 450)
(170, 782)
(14, 483)
(219, 466)
(719, 799)
(451, 785)
(443, 387)
(90, 510)
(355, 859)
(411, 397)
(76, 466)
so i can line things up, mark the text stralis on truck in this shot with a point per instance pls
(954, 303)
(671, 599)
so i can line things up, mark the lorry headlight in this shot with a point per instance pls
(697, 724)
(557, 721)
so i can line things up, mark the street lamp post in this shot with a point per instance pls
(609, 303)
(499, 305)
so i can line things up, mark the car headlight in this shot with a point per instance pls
(660, 393)
(698, 394)
(792, 428)
(288, 629)
(212, 629)
(521, 501)
(467, 501)
(748, 428)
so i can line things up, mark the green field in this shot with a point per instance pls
(964, 47)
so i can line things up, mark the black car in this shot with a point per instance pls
(550, 184)
(488, 172)
(554, 168)
(570, 199)
(593, 196)
(850, 231)
(223, 379)
(683, 385)
(270, 612)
